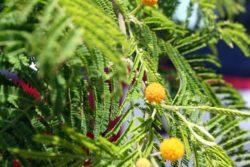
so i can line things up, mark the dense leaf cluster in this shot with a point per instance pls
(94, 59)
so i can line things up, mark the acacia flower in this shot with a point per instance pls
(155, 92)
(149, 2)
(172, 149)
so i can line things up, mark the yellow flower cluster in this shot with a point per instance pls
(149, 2)
(155, 92)
(172, 149)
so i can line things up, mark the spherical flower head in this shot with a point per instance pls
(155, 92)
(172, 149)
(149, 2)
(143, 162)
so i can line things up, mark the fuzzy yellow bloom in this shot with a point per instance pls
(143, 162)
(149, 2)
(155, 92)
(172, 149)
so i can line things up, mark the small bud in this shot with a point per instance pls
(143, 162)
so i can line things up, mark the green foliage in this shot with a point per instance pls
(233, 33)
(94, 59)
(225, 9)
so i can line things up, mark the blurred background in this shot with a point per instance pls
(235, 66)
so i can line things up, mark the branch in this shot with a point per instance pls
(217, 110)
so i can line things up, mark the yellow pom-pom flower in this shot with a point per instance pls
(149, 2)
(155, 92)
(143, 162)
(172, 149)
